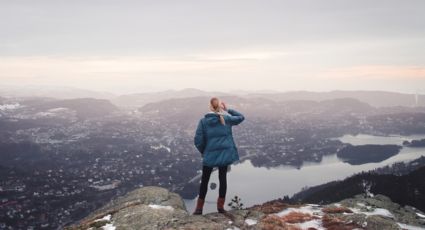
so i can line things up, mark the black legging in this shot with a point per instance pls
(206, 173)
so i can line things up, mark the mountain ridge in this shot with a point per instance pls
(375, 98)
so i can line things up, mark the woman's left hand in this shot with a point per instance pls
(223, 106)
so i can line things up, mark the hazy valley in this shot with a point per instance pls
(63, 158)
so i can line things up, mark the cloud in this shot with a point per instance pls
(225, 70)
(241, 55)
(65, 66)
(375, 72)
(72, 66)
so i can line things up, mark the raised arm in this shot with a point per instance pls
(200, 139)
(236, 118)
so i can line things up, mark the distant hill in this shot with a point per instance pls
(84, 107)
(186, 110)
(140, 99)
(406, 189)
(401, 168)
(373, 98)
(195, 107)
(327, 107)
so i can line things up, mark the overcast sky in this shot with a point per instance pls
(134, 46)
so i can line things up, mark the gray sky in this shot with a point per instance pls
(130, 46)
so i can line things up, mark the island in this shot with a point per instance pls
(414, 143)
(362, 154)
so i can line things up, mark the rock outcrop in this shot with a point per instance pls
(157, 208)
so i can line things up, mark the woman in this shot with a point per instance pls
(214, 140)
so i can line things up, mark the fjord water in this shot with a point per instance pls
(257, 185)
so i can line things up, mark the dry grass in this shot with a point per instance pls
(286, 222)
(273, 222)
(273, 207)
(334, 209)
(298, 217)
(334, 223)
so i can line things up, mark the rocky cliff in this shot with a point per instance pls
(157, 208)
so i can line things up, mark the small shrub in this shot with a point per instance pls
(236, 203)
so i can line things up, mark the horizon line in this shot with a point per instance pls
(238, 91)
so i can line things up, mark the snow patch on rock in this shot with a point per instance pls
(250, 222)
(108, 227)
(155, 206)
(409, 227)
(376, 211)
(312, 224)
(107, 218)
(307, 209)
(233, 228)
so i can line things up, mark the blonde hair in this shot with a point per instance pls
(216, 108)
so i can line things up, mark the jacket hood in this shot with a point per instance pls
(212, 118)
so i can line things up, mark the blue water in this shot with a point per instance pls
(258, 185)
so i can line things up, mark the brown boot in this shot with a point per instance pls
(220, 205)
(199, 207)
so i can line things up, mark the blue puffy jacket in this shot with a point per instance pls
(215, 140)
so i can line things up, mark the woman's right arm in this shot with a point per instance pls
(236, 118)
